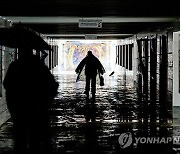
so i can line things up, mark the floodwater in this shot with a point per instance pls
(107, 125)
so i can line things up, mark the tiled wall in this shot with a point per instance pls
(170, 66)
(7, 55)
(169, 34)
(175, 59)
(4, 114)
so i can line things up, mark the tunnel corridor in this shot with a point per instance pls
(131, 113)
(137, 111)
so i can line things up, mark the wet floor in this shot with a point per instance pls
(108, 125)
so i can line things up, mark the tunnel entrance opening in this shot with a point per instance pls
(71, 52)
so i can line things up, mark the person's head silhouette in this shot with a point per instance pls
(24, 53)
(89, 53)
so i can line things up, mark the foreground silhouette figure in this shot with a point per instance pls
(92, 67)
(30, 88)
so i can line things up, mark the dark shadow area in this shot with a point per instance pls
(30, 89)
(90, 110)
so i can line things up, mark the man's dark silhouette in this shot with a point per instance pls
(92, 67)
(30, 88)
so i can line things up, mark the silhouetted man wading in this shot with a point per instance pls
(92, 67)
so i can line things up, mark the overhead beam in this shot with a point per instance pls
(68, 19)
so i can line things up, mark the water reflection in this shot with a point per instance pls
(90, 125)
(85, 125)
(90, 110)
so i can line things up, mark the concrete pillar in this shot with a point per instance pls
(121, 57)
(130, 56)
(145, 78)
(135, 62)
(124, 55)
(176, 75)
(163, 79)
(176, 68)
(117, 54)
(127, 56)
(153, 78)
(139, 79)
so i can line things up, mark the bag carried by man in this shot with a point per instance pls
(101, 80)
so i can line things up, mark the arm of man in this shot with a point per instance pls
(80, 66)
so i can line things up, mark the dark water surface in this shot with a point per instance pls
(84, 125)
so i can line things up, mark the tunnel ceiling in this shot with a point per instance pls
(120, 18)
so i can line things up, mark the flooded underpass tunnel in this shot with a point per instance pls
(131, 113)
